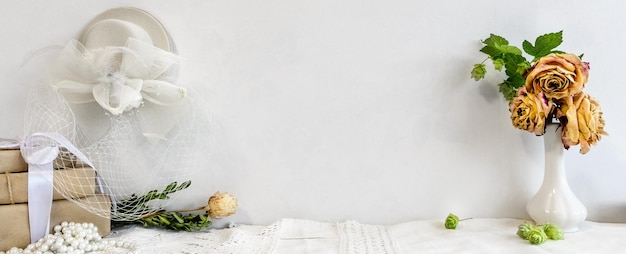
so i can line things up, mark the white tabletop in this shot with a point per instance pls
(425, 236)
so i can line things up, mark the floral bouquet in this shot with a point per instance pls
(546, 89)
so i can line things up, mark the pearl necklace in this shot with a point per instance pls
(74, 238)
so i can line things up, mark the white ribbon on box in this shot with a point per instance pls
(39, 150)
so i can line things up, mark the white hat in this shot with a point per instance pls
(123, 54)
(114, 26)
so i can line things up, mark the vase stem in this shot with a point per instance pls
(555, 202)
(554, 160)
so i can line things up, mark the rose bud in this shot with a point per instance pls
(553, 231)
(451, 221)
(537, 236)
(221, 205)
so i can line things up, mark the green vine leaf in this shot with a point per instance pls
(507, 90)
(496, 46)
(544, 45)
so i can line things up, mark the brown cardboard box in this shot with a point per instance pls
(11, 161)
(15, 230)
(73, 182)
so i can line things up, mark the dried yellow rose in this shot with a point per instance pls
(557, 76)
(590, 124)
(529, 111)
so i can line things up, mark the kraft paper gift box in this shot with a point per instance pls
(74, 183)
(14, 225)
(77, 183)
(11, 161)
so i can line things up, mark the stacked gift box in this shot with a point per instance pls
(71, 180)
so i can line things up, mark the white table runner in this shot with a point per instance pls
(293, 236)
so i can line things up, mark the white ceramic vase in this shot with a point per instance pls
(555, 202)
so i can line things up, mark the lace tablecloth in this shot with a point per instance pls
(292, 236)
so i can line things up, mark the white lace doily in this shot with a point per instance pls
(241, 239)
(285, 236)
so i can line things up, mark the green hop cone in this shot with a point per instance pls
(451, 221)
(498, 64)
(537, 236)
(478, 72)
(523, 229)
(553, 232)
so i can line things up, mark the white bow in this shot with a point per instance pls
(118, 80)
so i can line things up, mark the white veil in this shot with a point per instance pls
(121, 108)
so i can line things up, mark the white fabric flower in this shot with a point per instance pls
(119, 80)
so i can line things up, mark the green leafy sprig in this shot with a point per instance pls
(510, 58)
(176, 221)
(139, 205)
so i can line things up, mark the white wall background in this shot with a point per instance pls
(335, 110)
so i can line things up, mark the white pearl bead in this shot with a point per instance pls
(72, 237)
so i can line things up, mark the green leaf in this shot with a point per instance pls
(496, 45)
(506, 49)
(478, 72)
(491, 51)
(177, 217)
(163, 220)
(544, 45)
(507, 90)
(150, 195)
(170, 187)
(495, 40)
(184, 185)
(528, 47)
(513, 62)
